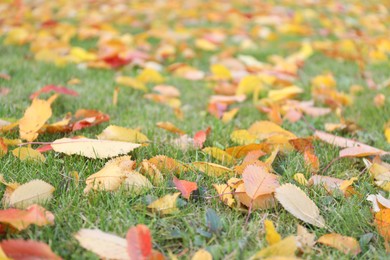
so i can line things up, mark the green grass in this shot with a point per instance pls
(115, 212)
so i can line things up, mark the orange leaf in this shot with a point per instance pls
(163, 162)
(21, 219)
(305, 146)
(382, 221)
(185, 187)
(170, 128)
(27, 249)
(347, 245)
(258, 181)
(139, 242)
(88, 118)
(200, 137)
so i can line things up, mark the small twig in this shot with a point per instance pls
(329, 164)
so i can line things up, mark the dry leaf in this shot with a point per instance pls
(295, 201)
(271, 235)
(219, 154)
(111, 176)
(305, 239)
(29, 154)
(185, 187)
(22, 219)
(202, 254)
(166, 204)
(266, 201)
(35, 191)
(139, 242)
(164, 163)
(117, 133)
(211, 169)
(136, 182)
(284, 248)
(382, 221)
(27, 249)
(305, 146)
(105, 245)
(225, 194)
(378, 202)
(92, 148)
(170, 128)
(347, 245)
(258, 181)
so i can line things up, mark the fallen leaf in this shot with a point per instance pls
(379, 202)
(347, 245)
(57, 89)
(305, 146)
(202, 254)
(88, 118)
(166, 204)
(136, 182)
(27, 249)
(284, 248)
(111, 176)
(103, 244)
(258, 181)
(139, 242)
(271, 235)
(225, 194)
(35, 191)
(300, 178)
(22, 219)
(305, 239)
(295, 201)
(219, 154)
(28, 154)
(266, 201)
(382, 221)
(131, 82)
(118, 133)
(211, 169)
(185, 187)
(34, 118)
(92, 148)
(359, 152)
(164, 163)
(170, 128)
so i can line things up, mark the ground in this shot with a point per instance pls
(181, 233)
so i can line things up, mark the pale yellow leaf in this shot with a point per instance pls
(202, 254)
(33, 192)
(105, 245)
(92, 148)
(118, 133)
(166, 204)
(295, 201)
(211, 169)
(300, 178)
(305, 239)
(137, 182)
(225, 194)
(131, 82)
(284, 248)
(27, 153)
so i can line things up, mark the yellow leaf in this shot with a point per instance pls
(243, 150)
(219, 154)
(105, 245)
(150, 76)
(295, 201)
(34, 118)
(285, 247)
(27, 153)
(271, 235)
(220, 72)
(111, 176)
(211, 169)
(243, 137)
(131, 82)
(92, 148)
(228, 116)
(300, 178)
(33, 192)
(117, 133)
(151, 170)
(205, 45)
(166, 204)
(267, 129)
(225, 194)
(79, 55)
(137, 182)
(347, 245)
(324, 81)
(285, 93)
(387, 134)
(249, 84)
(17, 36)
(202, 254)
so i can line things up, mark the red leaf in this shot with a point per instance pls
(139, 242)
(88, 118)
(44, 148)
(185, 187)
(200, 137)
(57, 89)
(27, 249)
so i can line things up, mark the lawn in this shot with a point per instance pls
(329, 26)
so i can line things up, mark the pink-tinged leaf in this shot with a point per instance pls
(346, 143)
(185, 187)
(44, 148)
(258, 181)
(200, 137)
(21, 219)
(359, 152)
(253, 155)
(57, 89)
(139, 242)
(19, 249)
(88, 118)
